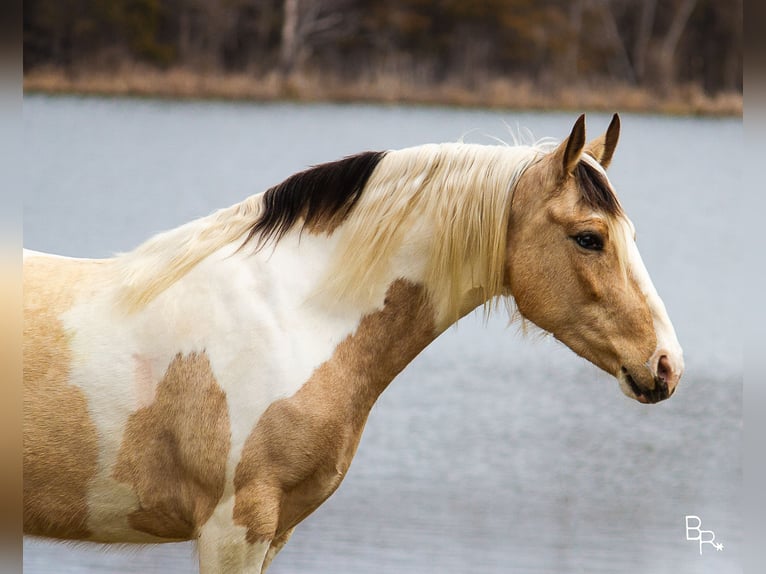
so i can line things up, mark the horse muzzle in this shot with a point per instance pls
(656, 385)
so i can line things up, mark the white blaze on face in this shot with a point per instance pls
(667, 342)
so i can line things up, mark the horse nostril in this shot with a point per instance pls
(664, 370)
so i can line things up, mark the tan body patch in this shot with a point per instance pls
(302, 446)
(60, 439)
(174, 451)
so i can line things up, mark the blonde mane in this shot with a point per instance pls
(458, 193)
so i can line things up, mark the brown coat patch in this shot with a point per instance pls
(60, 440)
(301, 448)
(174, 451)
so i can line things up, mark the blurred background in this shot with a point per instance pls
(670, 55)
(493, 452)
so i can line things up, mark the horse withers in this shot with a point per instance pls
(213, 383)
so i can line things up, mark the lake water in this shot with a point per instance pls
(492, 452)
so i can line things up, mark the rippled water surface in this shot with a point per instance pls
(492, 452)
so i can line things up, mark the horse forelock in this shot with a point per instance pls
(597, 193)
(595, 189)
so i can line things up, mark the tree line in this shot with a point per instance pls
(657, 44)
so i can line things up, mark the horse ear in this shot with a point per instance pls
(602, 148)
(567, 155)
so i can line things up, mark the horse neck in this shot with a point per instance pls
(387, 340)
(365, 343)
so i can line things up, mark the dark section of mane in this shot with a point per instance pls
(319, 195)
(595, 189)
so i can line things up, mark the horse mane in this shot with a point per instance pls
(382, 199)
(463, 192)
(317, 196)
(321, 197)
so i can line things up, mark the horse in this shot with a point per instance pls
(213, 383)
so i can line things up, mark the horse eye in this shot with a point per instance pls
(589, 241)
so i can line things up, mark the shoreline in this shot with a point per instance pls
(503, 93)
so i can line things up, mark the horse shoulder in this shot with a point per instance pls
(302, 446)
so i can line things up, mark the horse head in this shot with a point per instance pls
(575, 271)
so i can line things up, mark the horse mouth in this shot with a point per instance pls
(659, 393)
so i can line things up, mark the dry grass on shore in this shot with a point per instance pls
(500, 93)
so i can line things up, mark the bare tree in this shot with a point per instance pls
(643, 37)
(305, 23)
(572, 54)
(612, 33)
(666, 57)
(289, 45)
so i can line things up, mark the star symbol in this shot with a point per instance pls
(718, 546)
